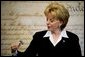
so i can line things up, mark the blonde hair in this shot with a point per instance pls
(59, 11)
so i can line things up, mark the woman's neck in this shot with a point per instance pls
(56, 35)
(56, 32)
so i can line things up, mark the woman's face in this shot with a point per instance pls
(52, 23)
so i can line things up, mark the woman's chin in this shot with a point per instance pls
(49, 29)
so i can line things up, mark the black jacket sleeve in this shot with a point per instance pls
(32, 48)
(75, 49)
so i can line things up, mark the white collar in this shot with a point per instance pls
(63, 34)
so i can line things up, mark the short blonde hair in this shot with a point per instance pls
(59, 11)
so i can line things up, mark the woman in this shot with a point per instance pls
(55, 41)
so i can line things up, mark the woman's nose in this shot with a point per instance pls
(48, 22)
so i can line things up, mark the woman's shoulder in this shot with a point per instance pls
(72, 35)
(40, 33)
(43, 31)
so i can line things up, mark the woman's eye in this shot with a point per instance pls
(51, 20)
(46, 19)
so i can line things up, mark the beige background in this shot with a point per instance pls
(21, 19)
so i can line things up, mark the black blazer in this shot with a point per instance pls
(40, 46)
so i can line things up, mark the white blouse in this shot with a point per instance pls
(63, 34)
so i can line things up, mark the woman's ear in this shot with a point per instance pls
(61, 22)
